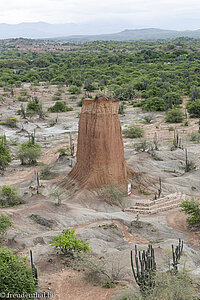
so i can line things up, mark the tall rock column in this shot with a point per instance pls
(100, 149)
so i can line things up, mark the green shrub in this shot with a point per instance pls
(33, 107)
(10, 122)
(194, 136)
(60, 106)
(9, 196)
(68, 244)
(80, 103)
(171, 128)
(174, 115)
(5, 156)
(191, 208)
(133, 132)
(193, 108)
(29, 152)
(154, 103)
(5, 223)
(63, 151)
(47, 174)
(16, 276)
(186, 123)
(73, 89)
(23, 95)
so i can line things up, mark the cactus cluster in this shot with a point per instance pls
(176, 255)
(34, 269)
(145, 268)
(177, 142)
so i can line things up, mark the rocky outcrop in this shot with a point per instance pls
(100, 149)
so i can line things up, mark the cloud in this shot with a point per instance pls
(144, 13)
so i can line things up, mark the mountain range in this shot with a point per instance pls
(88, 32)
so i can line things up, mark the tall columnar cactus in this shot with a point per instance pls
(176, 255)
(145, 268)
(160, 187)
(155, 141)
(177, 142)
(34, 269)
(37, 181)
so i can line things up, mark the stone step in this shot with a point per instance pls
(157, 206)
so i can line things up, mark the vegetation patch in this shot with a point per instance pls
(9, 196)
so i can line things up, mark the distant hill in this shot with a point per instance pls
(77, 32)
(134, 35)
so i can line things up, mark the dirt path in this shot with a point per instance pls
(177, 220)
(70, 285)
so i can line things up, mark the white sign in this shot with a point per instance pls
(129, 188)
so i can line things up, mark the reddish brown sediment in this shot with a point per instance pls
(100, 149)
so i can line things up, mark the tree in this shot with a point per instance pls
(58, 194)
(60, 106)
(193, 108)
(16, 276)
(29, 152)
(68, 244)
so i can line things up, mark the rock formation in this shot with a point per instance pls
(100, 149)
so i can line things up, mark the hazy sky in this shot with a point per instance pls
(176, 14)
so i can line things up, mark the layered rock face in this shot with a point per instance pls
(100, 149)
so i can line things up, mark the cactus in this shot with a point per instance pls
(34, 269)
(177, 142)
(160, 188)
(176, 255)
(37, 181)
(155, 141)
(145, 273)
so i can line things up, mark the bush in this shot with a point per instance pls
(47, 174)
(133, 132)
(73, 89)
(5, 223)
(16, 276)
(113, 195)
(191, 208)
(154, 103)
(170, 287)
(63, 151)
(68, 244)
(29, 152)
(33, 107)
(60, 106)
(10, 122)
(193, 108)
(143, 146)
(175, 115)
(194, 136)
(9, 196)
(5, 156)
(80, 103)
